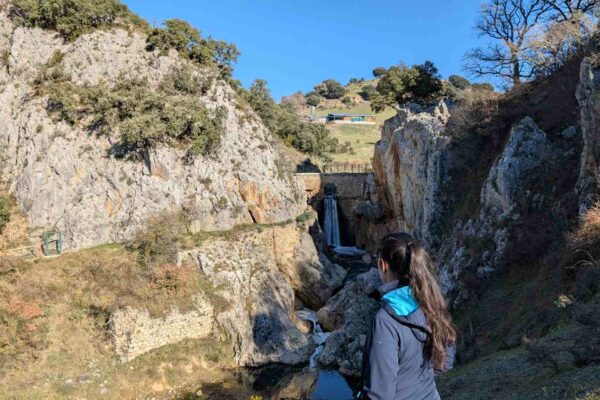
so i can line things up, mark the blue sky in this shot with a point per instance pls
(295, 44)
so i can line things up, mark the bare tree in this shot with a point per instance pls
(509, 22)
(563, 10)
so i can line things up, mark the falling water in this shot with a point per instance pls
(331, 225)
(318, 336)
(331, 228)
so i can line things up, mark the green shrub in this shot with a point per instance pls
(459, 82)
(379, 71)
(368, 92)
(402, 84)
(347, 101)
(313, 139)
(181, 36)
(4, 212)
(143, 117)
(5, 58)
(313, 99)
(160, 239)
(72, 18)
(330, 89)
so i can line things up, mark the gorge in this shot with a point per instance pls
(228, 274)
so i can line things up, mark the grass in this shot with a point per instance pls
(53, 316)
(361, 137)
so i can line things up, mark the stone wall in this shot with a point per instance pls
(135, 332)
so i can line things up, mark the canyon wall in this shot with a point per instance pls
(513, 207)
(252, 281)
(62, 176)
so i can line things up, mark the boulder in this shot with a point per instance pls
(349, 314)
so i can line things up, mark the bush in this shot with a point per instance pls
(330, 89)
(379, 71)
(402, 84)
(4, 212)
(297, 101)
(484, 87)
(313, 99)
(347, 101)
(368, 92)
(459, 82)
(142, 117)
(471, 109)
(72, 18)
(313, 139)
(160, 239)
(181, 36)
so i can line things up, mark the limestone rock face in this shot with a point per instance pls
(62, 176)
(348, 314)
(410, 165)
(256, 276)
(589, 105)
(509, 191)
(526, 149)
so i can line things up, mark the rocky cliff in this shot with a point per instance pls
(62, 176)
(418, 166)
(252, 279)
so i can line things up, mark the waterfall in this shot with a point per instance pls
(331, 228)
(331, 224)
(318, 336)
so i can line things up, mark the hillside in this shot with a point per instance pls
(356, 142)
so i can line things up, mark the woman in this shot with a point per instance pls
(412, 336)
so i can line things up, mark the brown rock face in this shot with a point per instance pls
(253, 278)
(588, 97)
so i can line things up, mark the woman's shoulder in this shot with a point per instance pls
(383, 319)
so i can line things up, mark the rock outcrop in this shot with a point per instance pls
(61, 176)
(413, 163)
(588, 186)
(348, 315)
(410, 165)
(253, 277)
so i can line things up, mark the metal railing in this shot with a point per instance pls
(347, 167)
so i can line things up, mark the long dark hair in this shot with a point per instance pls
(413, 267)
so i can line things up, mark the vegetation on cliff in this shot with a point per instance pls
(73, 18)
(313, 139)
(141, 117)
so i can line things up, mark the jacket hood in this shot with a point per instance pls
(403, 307)
(401, 300)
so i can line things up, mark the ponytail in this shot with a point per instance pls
(413, 267)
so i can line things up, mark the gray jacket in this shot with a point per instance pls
(394, 364)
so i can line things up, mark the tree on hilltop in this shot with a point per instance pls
(330, 89)
(512, 23)
(402, 84)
